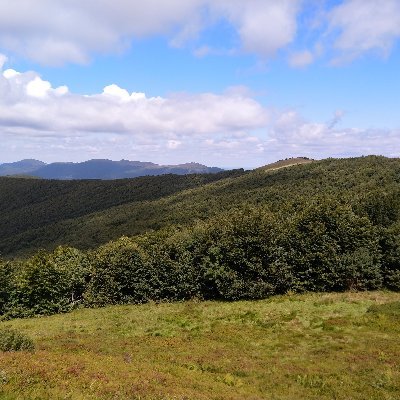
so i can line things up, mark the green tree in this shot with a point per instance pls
(119, 274)
(40, 287)
(7, 272)
(390, 244)
(330, 248)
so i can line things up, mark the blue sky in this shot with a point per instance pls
(228, 83)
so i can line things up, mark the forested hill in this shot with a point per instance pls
(36, 213)
(33, 211)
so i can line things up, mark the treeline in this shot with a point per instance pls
(250, 252)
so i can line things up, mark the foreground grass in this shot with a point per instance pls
(314, 346)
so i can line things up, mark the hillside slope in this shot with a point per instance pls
(288, 162)
(356, 181)
(29, 208)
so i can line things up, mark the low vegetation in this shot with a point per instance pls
(13, 340)
(313, 346)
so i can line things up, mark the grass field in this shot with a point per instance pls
(313, 346)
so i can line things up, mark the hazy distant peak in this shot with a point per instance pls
(23, 167)
(100, 169)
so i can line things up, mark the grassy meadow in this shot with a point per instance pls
(311, 346)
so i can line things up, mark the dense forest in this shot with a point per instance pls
(37, 213)
(331, 225)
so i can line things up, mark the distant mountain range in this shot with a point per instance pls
(99, 169)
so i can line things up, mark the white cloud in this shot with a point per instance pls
(55, 32)
(31, 106)
(116, 91)
(174, 144)
(58, 31)
(10, 73)
(364, 26)
(38, 88)
(122, 94)
(263, 26)
(228, 129)
(290, 135)
(301, 59)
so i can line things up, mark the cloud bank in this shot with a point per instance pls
(57, 31)
(227, 129)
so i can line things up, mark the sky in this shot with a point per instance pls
(227, 83)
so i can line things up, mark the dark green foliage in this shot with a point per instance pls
(13, 340)
(174, 276)
(7, 270)
(310, 227)
(330, 248)
(235, 253)
(39, 288)
(46, 213)
(85, 214)
(390, 248)
(381, 207)
(48, 283)
(74, 267)
(119, 274)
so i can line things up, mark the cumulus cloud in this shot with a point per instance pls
(364, 26)
(31, 107)
(58, 31)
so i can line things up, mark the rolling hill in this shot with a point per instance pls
(34, 210)
(42, 214)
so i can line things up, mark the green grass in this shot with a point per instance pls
(313, 346)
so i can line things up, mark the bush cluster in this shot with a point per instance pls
(246, 253)
(13, 340)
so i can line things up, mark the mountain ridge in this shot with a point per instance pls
(99, 169)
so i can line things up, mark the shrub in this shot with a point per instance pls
(172, 272)
(13, 340)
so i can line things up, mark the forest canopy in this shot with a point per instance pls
(332, 225)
